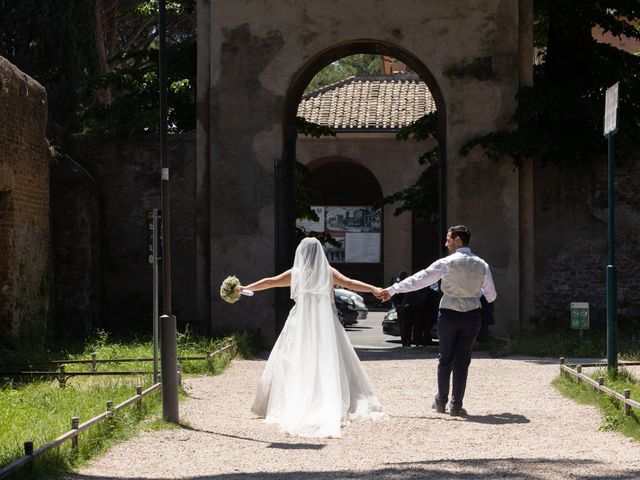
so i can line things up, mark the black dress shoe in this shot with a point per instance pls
(438, 407)
(457, 411)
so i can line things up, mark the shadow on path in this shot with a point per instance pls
(467, 469)
(280, 445)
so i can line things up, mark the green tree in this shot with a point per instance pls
(353, 65)
(126, 99)
(53, 42)
(560, 118)
(98, 60)
(423, 197)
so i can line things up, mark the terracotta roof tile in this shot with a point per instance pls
(368, 102)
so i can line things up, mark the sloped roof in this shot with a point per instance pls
(368, 103)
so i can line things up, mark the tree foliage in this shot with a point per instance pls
(126, 98)
(53, 42)
(98, 60)
(353, 65)
(423, 197)
(560, 118)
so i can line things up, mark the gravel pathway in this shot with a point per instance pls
(519, 427)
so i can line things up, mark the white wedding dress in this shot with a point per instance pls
(313, 382)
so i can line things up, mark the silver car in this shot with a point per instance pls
(358, 302)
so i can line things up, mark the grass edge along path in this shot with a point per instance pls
(53, 407)
(613, 417)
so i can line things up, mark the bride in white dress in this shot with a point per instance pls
(313, 382)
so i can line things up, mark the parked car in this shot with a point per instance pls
(361, 308)
(392, 326)
(350, 306)
(390, 323)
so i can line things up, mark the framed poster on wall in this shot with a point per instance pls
(352, 219)
(356, 228)
(362, 247)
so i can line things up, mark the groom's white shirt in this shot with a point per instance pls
(465, 278)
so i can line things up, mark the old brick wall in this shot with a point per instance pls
(24, 206)
(571, 241)
(126, 173)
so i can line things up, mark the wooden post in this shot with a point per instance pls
(562, 363)
(578, 371)
(139, 393)
(600, 383)
(75, 423)
(62, 378)
(28, 451)
(209, 360)
(109, 408)
(94, 364)
(627, 408)
(28, 448)
(179, 374)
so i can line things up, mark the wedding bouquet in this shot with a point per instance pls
(227, 289)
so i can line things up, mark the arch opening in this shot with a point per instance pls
(285, 197)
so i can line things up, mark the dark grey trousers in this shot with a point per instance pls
(456, 334)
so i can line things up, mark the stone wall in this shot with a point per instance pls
(571, 240)
(75, 240)
(24, 206)
(126, 173)
(257, 57)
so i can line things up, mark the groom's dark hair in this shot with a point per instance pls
(462, 232)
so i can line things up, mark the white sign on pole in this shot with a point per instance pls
(611, 109)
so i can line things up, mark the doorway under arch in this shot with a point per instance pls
(346, 186)
(285, 199)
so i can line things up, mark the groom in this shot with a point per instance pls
(464, 277)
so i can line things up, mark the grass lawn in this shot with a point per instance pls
(39, 410)
(612, 411)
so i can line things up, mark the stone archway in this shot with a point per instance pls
(294, 94)
(285, 199)
(256, 57)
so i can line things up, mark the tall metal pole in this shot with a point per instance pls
(156, 314)
(612, 287)
(168, 336)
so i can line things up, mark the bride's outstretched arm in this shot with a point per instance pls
(282, 280)
(357, 285)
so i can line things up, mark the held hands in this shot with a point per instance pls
(382, 294)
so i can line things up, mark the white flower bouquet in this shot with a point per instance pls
(228, 289)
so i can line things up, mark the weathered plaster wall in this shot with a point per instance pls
(257, 50)
(24, 206)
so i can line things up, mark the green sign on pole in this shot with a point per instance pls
(579, 315)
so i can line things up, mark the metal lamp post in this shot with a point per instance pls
(168, 346)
